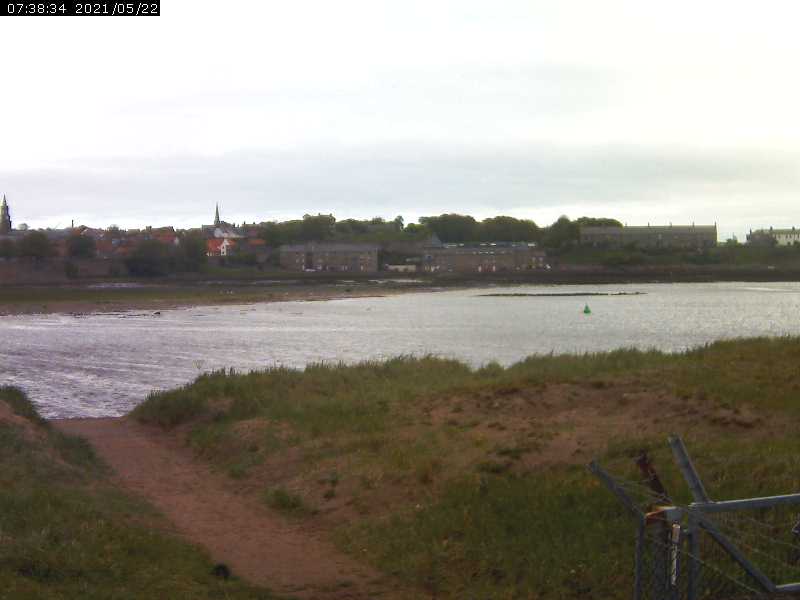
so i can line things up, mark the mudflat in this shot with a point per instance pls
(81, 300)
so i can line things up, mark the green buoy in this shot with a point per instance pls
(587, 310)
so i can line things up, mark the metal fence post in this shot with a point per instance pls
(687, 469)
(693, 573)
(661, 561)
(675, 560)
(639, 564)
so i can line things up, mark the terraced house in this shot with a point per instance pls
(650, 237)
(315, 256)
(483, 258)
(778, 237)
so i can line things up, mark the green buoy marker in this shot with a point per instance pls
(587, 310)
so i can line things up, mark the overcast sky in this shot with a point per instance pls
(647, 111)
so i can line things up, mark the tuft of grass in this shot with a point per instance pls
(20, 405)
(174, 407)
(71, 449)
(287, 502)
(76, 451)
(319, 400)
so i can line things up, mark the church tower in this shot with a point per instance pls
(216, 216)
(5, 217)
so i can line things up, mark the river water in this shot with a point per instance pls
(103, 365)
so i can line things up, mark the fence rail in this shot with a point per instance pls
(708, 550)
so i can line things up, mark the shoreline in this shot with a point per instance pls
(158, 298)
(103, 296)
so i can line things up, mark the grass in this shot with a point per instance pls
(436, 473)
(322, 399)
(287, 502)
(553, 533)
(66, 532)
(328, 398)
(15, 399)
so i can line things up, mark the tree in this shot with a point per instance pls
(417, 231)
(275, 234)
(81, 246)
(193, 251)
(509, 229)
(35, 245)
(453, 228)
(351, 227)
(597, 222)
(561, 234)
(150, 258)
(317, 228)
(7, 249)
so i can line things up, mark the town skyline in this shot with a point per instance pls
(219, 210)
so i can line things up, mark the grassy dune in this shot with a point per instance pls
(65, 532)
(473, 481)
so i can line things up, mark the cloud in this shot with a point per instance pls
(539, 182)
(362, 107)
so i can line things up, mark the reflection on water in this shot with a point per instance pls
(104, 365)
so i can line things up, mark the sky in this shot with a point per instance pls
(642, 110)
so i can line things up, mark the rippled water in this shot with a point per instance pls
(104, 365)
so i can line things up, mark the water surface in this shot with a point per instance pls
(103, 365)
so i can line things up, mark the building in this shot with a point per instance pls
(5, 218)
(255, 248)
(651, 237)
(220, 247)
(165, 235)
(220, 229)
(483, 258)
(407, 268)
(317, 256)
(774, 237)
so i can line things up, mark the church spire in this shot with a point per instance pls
(216, 216)
(5, 217)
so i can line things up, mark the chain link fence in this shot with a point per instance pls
(737, 550)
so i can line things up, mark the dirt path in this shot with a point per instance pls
(256, 544)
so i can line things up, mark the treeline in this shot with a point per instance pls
(449, 228)
(147, 258)
(151, 258)
(36, 245)
(317, 228)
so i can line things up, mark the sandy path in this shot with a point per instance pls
(255, 543)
